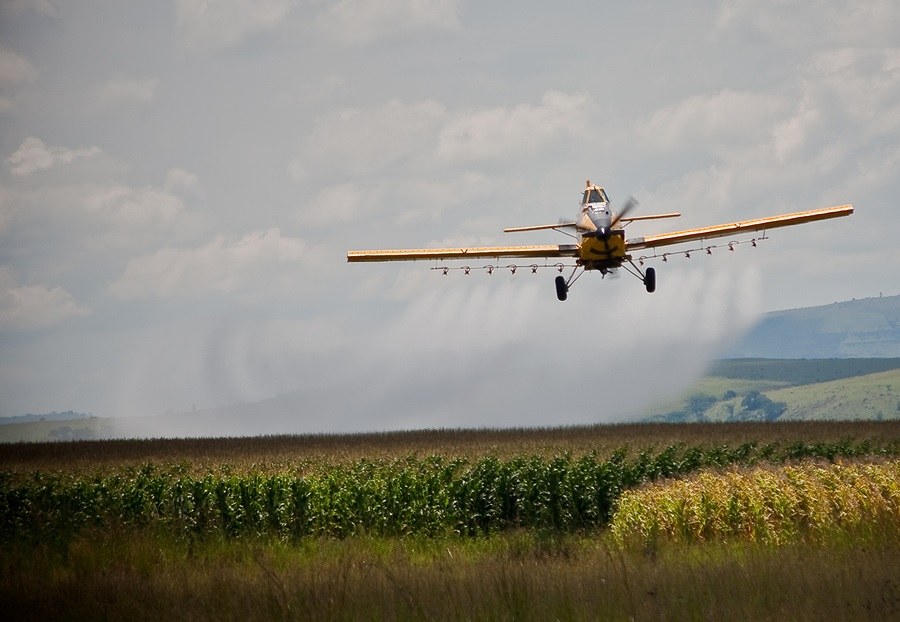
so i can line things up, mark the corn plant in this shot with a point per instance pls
(763, 504)
(427, 496)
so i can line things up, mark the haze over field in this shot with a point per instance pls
(180, 182)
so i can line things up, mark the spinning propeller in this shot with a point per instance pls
(630, 204)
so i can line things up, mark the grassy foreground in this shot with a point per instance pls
(513, 576)
(197, 529)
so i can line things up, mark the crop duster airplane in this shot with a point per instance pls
(600, 242)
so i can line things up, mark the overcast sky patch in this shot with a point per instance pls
(180, 184)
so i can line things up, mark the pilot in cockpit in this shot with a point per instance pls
(593, 194)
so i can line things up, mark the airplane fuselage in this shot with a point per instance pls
(602, 245)
(603, 252)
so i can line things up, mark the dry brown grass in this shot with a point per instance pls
(517, 576)
(279, 453)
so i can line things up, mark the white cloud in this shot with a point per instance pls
(365, 140)
(861, 84)
(44, 7)
(33, 155)
(15, 70)
(63, 211)
(363, 21)
(183, 182)
(30, 307)
(792, 134)
(808, 23)
(224, 265)
(507, 131)
(126, 91)
(6, 209)
(835, 138)
(340, 204)
(724, 118)
(362, 141)
(428, 199)
(133, 208)
(225, 23)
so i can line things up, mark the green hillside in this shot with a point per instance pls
(785, 389)
(39, 431)
(869, 327)
(873, 396)
(800, 371)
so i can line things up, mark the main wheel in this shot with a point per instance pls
(562, 290)
(650, 280)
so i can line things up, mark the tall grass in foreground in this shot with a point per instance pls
(519, 575)
(428, 496)
(767, 505)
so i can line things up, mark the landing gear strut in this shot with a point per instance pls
(563, 284)
(647, 277)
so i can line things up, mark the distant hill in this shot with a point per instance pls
(866, 328)
(790, 389)
(837, 361)
(69, 415)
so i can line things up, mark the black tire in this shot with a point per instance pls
(650, 280)
(562, 290)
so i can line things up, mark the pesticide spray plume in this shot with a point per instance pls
(495, 353)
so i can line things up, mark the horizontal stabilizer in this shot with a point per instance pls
(538, 227)
(651, 217)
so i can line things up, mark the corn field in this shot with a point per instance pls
(400, 497)
(772, 506)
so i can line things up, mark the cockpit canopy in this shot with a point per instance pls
(594, 194)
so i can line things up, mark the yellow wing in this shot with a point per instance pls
(478, 252)
(734, 228)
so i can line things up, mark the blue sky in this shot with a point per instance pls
(180, 182)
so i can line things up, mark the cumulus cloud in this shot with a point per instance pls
(226, 23)
(14, 69)
(44, 7)
(842, 109)
(126, 91)
(6, 209)
(808, 22)
(363, 21)
(63, 210)
(724, 118)
(792, 134)
(224, 265)
(31, 307)
(181, 181)
(128, 207)
(407, 201)
(505, 131)
(860, 84)
(34, 155)
(365, 140)
(339, 204)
